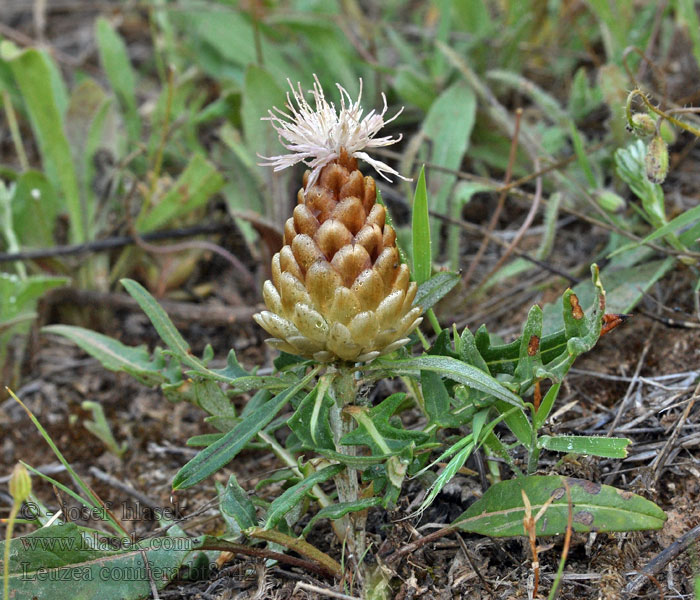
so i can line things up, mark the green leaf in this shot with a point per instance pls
(260, 94)
(311, 420)
(204, 439)
(631, 168)
(295, 494)
(685, 218)
(431, 291)
(596, 507)
(376, 430)
(338, 511)
(223, 451)
(117, 66)
(236, 507)
(437, 401)
(581, 444)
(21, 295)
(530, 357)
(422, 253)
(33, 76)
(195, 185)
(455, 370)
(448, 125)
(42, 562)
(211, 398)
(546, 406)
(114, 355)
(35, 208)
(162, 323)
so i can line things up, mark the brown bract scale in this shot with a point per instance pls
(338, 289)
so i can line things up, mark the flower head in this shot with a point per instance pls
(316, 136)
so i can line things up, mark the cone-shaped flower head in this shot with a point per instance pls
(338, 289)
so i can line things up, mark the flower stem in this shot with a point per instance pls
(343, 389)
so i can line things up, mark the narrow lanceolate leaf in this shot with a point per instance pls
(581, 444)
(453, 369)
(164, 326)
(115, 61)
(431, 291)
(113, 355)
(223, 451)
(596, 507)
(546, 406)
(295, 494)
(422, 254)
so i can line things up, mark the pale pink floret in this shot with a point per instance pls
(315, 136)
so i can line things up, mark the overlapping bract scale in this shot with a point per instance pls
(338, 289)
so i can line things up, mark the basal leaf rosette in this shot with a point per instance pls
(338, 289)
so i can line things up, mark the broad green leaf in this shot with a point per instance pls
(261, 92)
(211, 398)
(35, 208)
(115, 61)
(338, 511)
(21, 295)
(192, 189)
(431, 291)
(311, 420)
(236, 507)
(581, 444)
(114, 355)
(295, 494)
(42, 562)
(223, 451)
(422, 253)
(448, 125)
(437, 401)
(596, 507)
(33, 76)
(455, 370)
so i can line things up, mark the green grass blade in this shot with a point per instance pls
(420, 228)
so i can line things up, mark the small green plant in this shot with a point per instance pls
(99, 427)
(342, 308)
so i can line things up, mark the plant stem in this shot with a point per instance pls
(343, 389)
(6, 558)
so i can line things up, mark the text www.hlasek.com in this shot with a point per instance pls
(98, 542)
